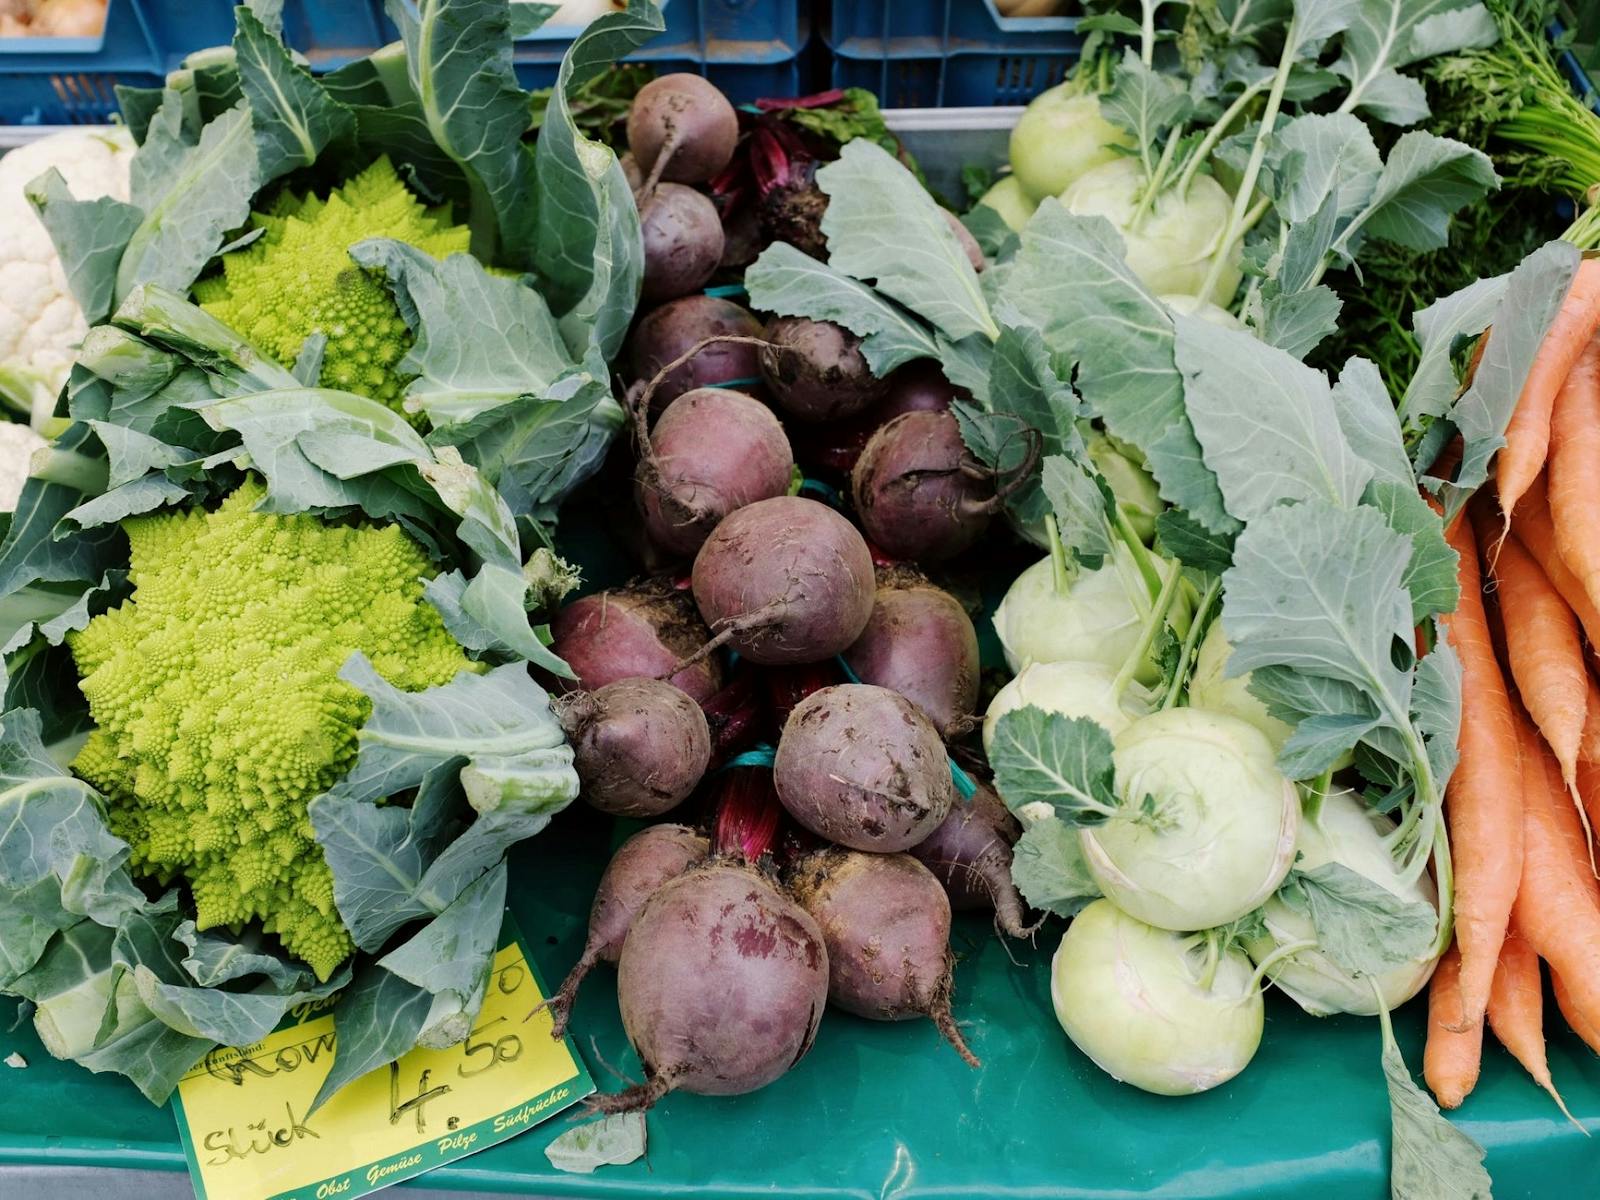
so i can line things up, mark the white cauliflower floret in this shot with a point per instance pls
(17, 444)
(40, 323)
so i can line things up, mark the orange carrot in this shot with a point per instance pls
(1543, 647)
(1452, 1055)
(1533, 528)
(1528, 434)
(1575, 1020)
(1574, 466)
(1516, 1013)
(1589, 792)
(1556, 910)
(1483, 804)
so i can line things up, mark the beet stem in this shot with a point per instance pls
(731, 627)
(638, 1098)
(944, 1019)
(663, 156)
(1019, 476)
(641, 408)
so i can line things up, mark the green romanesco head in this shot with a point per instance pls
(298, 279)
(218, 709)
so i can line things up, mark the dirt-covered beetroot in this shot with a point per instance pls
(969, 244)
(786, 580)
(711, 451)
(919, 495)
(722, 983)
(920, 642)
(638, 869)
(682, 240)
(682, 129)
(642, 629)
(916, 387)
(886, 922)
(631, 171)
(816, 370)
(640, 746)
(970, 854)
(672, 329)
(861, 766)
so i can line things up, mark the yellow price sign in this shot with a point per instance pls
(248, 1133)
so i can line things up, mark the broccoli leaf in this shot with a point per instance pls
(378, 1019)
(1048, 867)
(883, 226)
(293, 116)
(453, 954)
(1061, 762)
(89, 237)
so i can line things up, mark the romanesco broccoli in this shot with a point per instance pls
(298, 279)
(218, 709)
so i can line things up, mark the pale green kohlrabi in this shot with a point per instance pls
(1167, 1013)
(1345, 833)
(1206, 827)
(1008, 199)
(1170, 241)
(1073, 689)
(1131, 485)
(1210, 688)
(1061, 135)
(1097, 617)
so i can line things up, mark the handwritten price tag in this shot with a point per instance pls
(242, 1113)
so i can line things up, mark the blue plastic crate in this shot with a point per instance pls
(947, 53)
(328, 32)
(72, 81)
(748, 48)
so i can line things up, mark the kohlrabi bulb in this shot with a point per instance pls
(1207, 824)
(1096, 617)
(1176, 238)
(1212, 690)
(1008, 199)
(1060, 135)
(1133, 487)
(1137, 1001)
(1347, 832)
(1193, 306)
(1073, 689)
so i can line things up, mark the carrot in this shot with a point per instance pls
(1528, 434)
(1574, 466)
(1535, 530)
(1589, 791)
(1483, 803)
(1589, 747)
(1516, 1013)
(1543, 647)
(1575, 1020)
(1452, 1054)
(1556, 909)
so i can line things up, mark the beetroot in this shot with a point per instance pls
(886, 923)
(861, 766)
(712, 451)
(816, 370)
(638, 869)
(916, 387)
(640, 746)
(672, 329)
(969, 244)
(642, 629)
(682, 240)
(722, 984)
(920, 642)
(970, 854)
(681, 128)
(918, 493)
(786, 580)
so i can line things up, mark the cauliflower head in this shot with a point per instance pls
(218, 709)
(40, 323)
(298, 279)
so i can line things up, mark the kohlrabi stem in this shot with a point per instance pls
(1235, 227)
(1191, 641)
(1060, 575)
(1287, 950)
(1318, 788)
(1444, 874)
(1208, 976)
(1217, 132)
(1141, 553)
(1147, 635)
(1147, 32)
(1155, 179)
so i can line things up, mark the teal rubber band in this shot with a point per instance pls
(830, 496)
(756, 756)
(728, 291)
(965, 786)
(743, 381)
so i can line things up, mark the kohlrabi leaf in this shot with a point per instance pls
(1430, 577)
(1436, 708)
(1320, 155)
(1429, 1159)
(884, 228)
(1061, 762)
(1439, 328)
(1265, 421)
(1145, 102)
(500, 722)
(1081, 508)
(1532, 297)
(1192, 544)
(1071, 279)
(1366, 415)
(293, 117)
(792, 284)
(89, 237)
(1389, 34)
(190, 195)
(1295, 322)
(1361, 926)
(377, 1020)
(1425, 179)
(1048, 867)
(609, 1141)
(581, 215)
